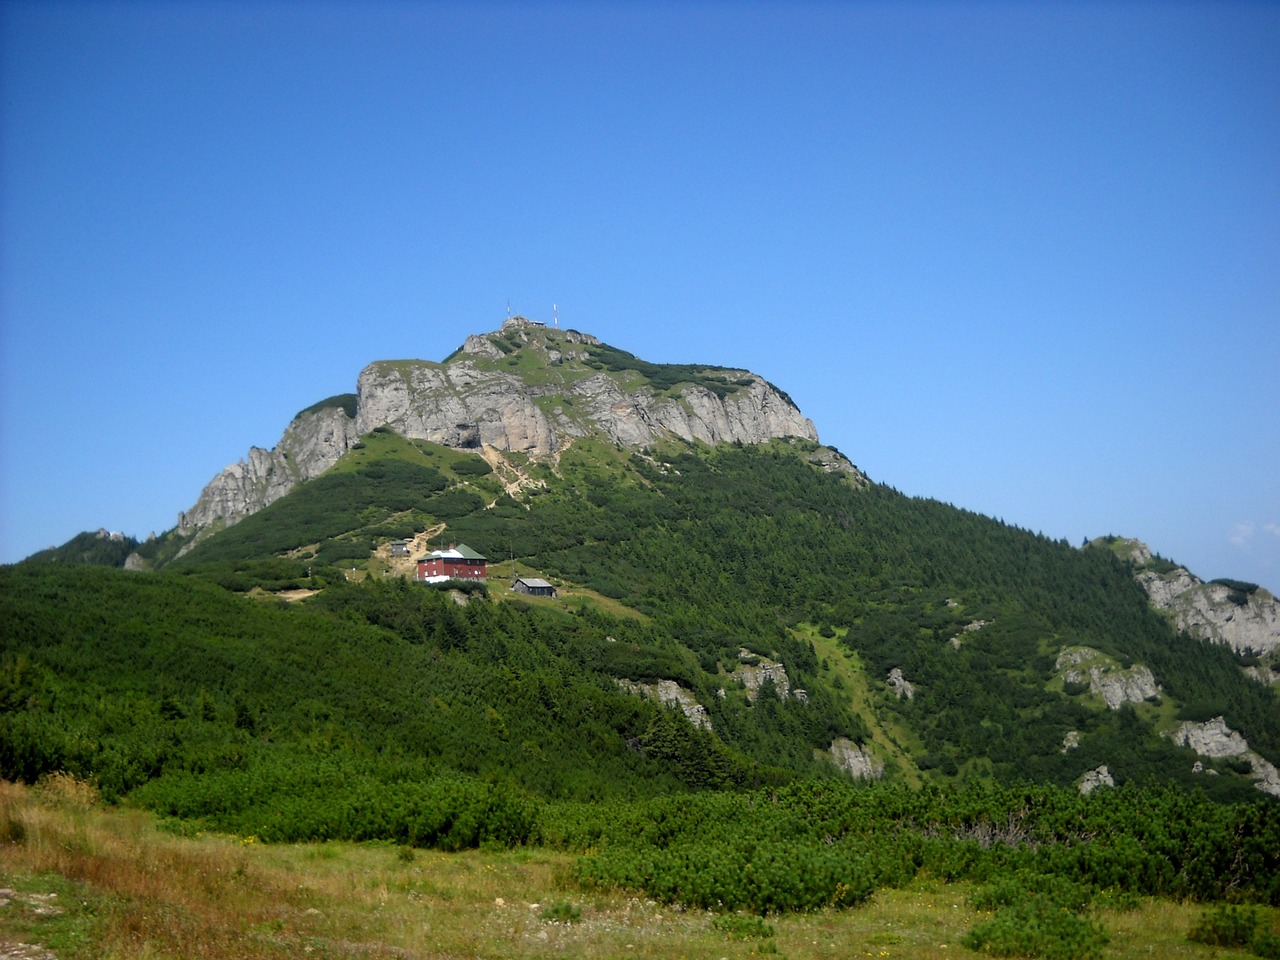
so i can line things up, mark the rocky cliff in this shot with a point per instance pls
(1215, 612)
(525, 389)
(1248, 623)
(549, 387)
(1214, 739)
(311, 444)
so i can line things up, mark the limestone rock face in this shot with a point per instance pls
(455, 405)
(1248, 624)
(859, 763)
(1213, 738)
(900, 684)
(524, 389)
(480, 346)
(1106, 678)
(755, 670)
(673, 695)
(1099, 777)
(311, 444)
(465, 402)
(756, 412)
(1208, 610)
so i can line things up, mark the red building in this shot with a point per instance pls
(459, 562)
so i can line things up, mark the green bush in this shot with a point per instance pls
(1266, 945)
(471, 467)
(1038, 927)
(1012, 889)
(562, 912)
(763, 877)
(1226, 925)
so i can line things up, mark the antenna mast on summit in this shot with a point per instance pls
(556, 313)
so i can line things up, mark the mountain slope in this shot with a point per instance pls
(742, 563)
(173, 690)
(799, 619)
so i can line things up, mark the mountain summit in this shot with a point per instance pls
(525, 388)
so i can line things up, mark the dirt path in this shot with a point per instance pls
(513, 478)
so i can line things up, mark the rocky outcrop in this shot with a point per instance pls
(673, 695)
(753, 413)
(900, 685)
(854, 760)
(754, 670)
(524, 389)
(1098, 777)
(311, 444)
(465, 402)
(456, 405)
(1216, 612)
(1214, 739)
(459, 405)
(958, 640)
(1106, 678)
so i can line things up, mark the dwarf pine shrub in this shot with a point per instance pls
(1038, 927)
(562, 912)
(1017, 887)
(1266, 945)
(1226, 925)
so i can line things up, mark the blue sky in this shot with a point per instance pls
(1020, 257)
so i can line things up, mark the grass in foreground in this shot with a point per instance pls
(108, 883)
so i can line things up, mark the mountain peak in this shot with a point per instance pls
(525, 388)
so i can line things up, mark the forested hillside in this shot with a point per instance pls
(681, 563)
(751, 546)
(189, 699)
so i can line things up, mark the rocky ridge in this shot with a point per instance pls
(311, 444)
(523, 389)
(1213, 611)
(1216, 612)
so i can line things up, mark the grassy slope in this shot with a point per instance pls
(718, 546)
(893, 739)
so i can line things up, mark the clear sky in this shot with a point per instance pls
(1021, 257)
